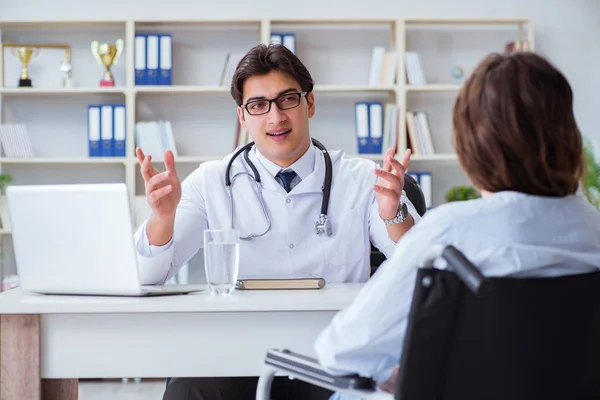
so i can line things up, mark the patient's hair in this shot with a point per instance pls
(514, 128)
(261, 60)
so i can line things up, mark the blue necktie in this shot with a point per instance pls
(286, 179)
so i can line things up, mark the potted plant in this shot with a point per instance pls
(5, 180)
(461, 193)
(591, 179)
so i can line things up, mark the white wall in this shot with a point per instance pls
(566, 31)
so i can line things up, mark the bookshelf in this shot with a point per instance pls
(337, 52)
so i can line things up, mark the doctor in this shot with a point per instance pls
(300, 208)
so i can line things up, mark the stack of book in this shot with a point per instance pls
(231, 62)
(419, 134)
(15, 141)
(383, 67)
(414, 69)
(154, 138)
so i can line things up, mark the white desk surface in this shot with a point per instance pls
(333, 297)
(182, 335)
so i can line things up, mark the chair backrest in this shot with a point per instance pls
(416, 197)
(523, 338)
(415, 194)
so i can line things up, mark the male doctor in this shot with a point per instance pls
(273, 92)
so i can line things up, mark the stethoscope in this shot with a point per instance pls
(321, 226)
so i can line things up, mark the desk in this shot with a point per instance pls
(62, 338)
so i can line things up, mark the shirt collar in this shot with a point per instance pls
(304, 166)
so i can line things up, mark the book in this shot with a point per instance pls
(277, 284)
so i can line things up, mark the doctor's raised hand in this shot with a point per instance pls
(163, 193)
(388, 193)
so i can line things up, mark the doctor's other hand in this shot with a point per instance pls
(163, 189)
(389, 185)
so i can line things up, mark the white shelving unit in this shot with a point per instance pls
(336, 51)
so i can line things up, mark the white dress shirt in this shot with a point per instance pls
(303, 167)
(291, 247)
(507, 233)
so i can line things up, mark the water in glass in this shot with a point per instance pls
(221, 260)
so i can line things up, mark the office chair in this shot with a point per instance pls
(416, 197)
(415, 194)
(470, 337)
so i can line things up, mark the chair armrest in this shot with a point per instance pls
(307, 369)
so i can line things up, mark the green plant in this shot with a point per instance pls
(5, 180)
(461, 193)
(591, 179)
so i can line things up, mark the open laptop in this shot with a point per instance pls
(77, 239)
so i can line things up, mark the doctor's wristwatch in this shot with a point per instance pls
(400, 216)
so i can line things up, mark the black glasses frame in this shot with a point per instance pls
(299, 94)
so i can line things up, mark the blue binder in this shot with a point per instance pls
(276, 38)
(106, 130)
(289, 41)
(361, 118)
(140, 60)
(165, 53)
(375, 127)
(152, 58)
(94, 127)
(119, 130)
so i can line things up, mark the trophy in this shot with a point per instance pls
(107, 55)
(25, 54)
(516, 46)
(67, 69)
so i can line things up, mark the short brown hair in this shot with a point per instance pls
(261, 60)
(514, 128)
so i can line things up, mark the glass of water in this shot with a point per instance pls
(221, 259)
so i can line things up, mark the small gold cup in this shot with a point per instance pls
(25, 54)
(107, 55)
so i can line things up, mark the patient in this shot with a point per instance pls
(516, 138)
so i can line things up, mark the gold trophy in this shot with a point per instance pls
(107, 55)
(25, 54)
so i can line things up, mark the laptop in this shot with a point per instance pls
(77, 239)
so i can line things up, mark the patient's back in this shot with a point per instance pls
(512, 233)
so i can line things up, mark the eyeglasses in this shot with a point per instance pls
(284, 102)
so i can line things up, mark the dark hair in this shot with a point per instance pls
(261, 60)
(514, 128)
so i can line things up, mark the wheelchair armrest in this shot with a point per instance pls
(306, 368)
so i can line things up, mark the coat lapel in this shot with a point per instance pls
(313, 183)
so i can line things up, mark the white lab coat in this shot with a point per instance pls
(291, 247)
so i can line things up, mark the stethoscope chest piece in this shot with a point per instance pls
(323, 225)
